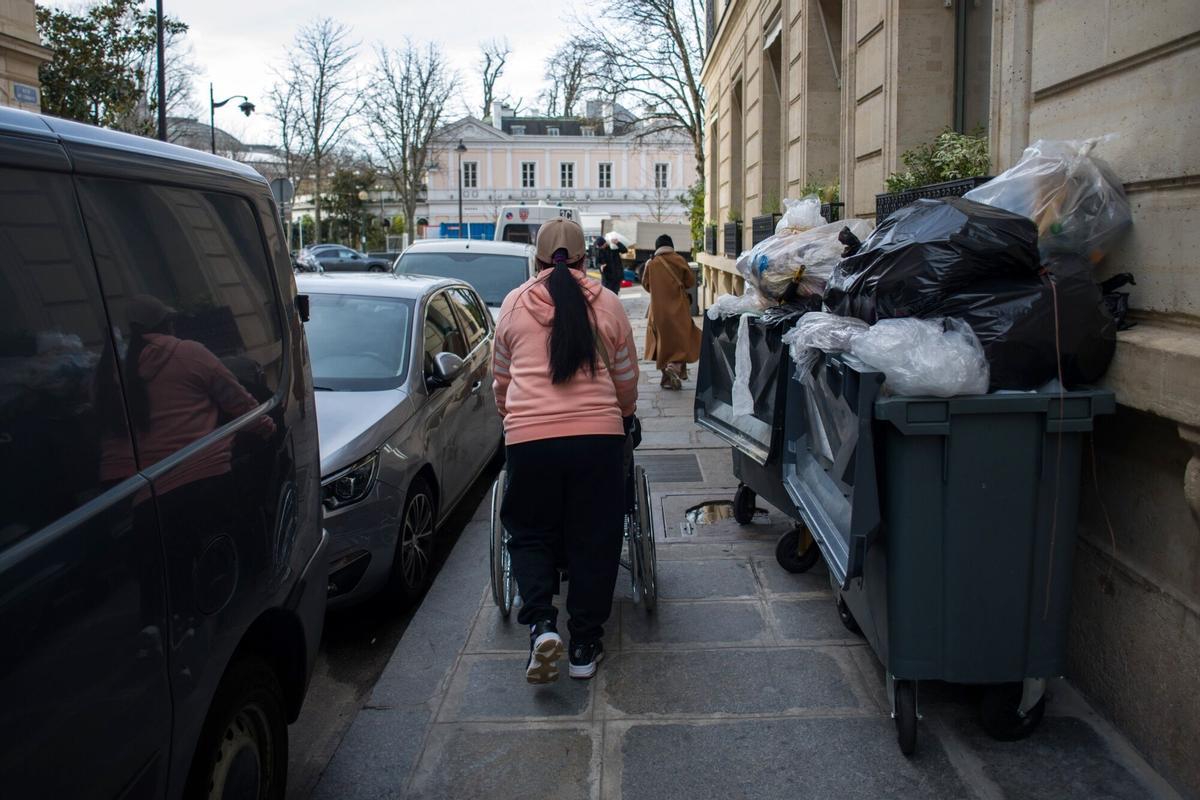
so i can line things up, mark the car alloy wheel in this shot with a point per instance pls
(413, 566)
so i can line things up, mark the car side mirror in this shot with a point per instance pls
(355, 256)
(446, 367)
(302, 306)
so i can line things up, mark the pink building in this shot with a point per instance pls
(607, 164)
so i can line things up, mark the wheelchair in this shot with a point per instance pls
(638, 554)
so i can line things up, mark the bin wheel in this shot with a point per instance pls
(998, 713)
(504, 586)
(847, 618)
(744, 506)
(904, 699)
(647, 558)
(796, 551)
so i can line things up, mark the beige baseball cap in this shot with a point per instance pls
(560, 234)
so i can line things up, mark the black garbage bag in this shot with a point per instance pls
(786, 314)
(927, 252)
(1014, 319)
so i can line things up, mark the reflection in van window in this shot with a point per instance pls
(57, 369)
(188, 286)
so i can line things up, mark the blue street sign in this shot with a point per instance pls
(25, 94)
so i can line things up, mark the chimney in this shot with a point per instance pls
(498, 114)
(606, 110)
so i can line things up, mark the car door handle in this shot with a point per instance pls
(476, 386)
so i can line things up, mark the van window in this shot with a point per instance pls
(59, 397)
(188, 286)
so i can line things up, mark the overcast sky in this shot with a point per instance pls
(236, 43)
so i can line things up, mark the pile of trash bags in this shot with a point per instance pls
(795, 263)
(991, 291)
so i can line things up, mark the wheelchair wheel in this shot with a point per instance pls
(646, 558)
(504, 588)
(633, 539)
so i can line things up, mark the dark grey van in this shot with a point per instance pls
(162, 565)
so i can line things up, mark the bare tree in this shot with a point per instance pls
(492, 58)
(568, 75)
(410, 90)
(661, 72)
(316, 97)
(181, 72)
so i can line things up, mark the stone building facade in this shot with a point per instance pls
(21, 54)
(604, 163)
(807, 91)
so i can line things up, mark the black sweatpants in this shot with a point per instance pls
(566, 496)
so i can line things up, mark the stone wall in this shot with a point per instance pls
(21, 54)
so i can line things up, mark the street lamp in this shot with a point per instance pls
(160, 46)
(246, 107)
(462, 148)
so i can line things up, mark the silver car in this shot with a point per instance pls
(406, 416)
(493, 268)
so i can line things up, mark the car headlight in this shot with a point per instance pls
(351, 484)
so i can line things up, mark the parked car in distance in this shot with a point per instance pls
(338, 258)
(407, 418)
(493, 268)
(161, 555)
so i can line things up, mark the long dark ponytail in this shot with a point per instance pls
(572, 342)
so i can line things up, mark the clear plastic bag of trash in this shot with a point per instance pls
(743, 398)
(1074, 197)
(820, 332)
(800, 215)
(730, 305)
(938, 357)
(795, 264)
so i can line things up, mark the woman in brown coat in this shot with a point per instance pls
(672, 339)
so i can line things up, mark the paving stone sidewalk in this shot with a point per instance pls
(743, 684)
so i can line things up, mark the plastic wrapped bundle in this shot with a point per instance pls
(730, 305)
(819, 332)
(924, 357)
(792, 264)
(1074, 198)
(928, 252)
(800, 215)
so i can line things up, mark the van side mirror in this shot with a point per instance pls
(446, 367)
(302, 306)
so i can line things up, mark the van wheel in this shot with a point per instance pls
(412, 567)
(242, 752)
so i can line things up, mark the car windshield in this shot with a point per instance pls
(358, 343)
(492, 275)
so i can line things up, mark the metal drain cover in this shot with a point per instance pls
(670, 467)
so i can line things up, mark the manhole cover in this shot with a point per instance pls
(670, 467)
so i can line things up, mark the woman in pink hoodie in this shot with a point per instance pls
(566, 374)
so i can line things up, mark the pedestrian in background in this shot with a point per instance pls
(672, 339)
(566, 374)
(612, 271)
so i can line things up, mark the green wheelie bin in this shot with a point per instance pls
(948, 527)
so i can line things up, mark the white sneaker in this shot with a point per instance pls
(545, 649)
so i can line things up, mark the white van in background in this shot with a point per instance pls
(521, 223)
